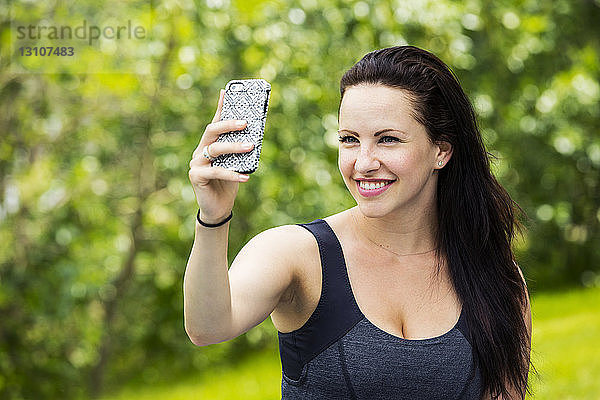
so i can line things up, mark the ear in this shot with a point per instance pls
(444, 153)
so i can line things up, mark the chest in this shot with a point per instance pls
(404, 298)
(407, 298)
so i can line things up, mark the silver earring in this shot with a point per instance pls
(440, 163)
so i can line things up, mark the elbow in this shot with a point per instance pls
(203, 332)
(202, 338)
(196, 336)
(197, 339)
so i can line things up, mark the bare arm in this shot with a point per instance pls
(206, 295)
(221, 305)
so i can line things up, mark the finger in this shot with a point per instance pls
(203, 176)
(217, 148)
(213, 130)
(219, 106)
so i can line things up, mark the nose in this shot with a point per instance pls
(366, 161)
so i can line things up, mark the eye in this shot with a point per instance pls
(345, 139)
(352, 139)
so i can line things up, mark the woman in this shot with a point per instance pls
(413, 293)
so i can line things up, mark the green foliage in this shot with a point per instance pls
(97, 214)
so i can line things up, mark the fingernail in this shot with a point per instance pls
(243, 177)
(246, 146)
(240, 123)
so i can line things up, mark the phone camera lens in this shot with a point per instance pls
(236, 87)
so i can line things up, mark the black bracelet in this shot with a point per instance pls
(213, 225)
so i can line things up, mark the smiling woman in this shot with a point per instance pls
(414, 293)
(444, 183)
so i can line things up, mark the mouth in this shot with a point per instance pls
(373, 188)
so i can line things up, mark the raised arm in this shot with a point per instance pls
(220, 304)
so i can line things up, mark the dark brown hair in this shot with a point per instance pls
(476, 216)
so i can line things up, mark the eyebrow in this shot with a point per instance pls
(376, 133)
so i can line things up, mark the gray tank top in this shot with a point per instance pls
(339, 354)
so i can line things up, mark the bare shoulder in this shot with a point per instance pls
(287, 240)
(302, 260)
(287, 248)
(265, 274)
(293, 243)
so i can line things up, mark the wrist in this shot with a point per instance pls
(213, 223)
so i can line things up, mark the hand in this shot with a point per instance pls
(216, 187)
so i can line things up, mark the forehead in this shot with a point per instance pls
(373, 107)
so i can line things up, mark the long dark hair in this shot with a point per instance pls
(477, 218)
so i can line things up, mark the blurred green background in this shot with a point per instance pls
(97, 214)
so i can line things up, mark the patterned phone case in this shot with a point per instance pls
(246, 99)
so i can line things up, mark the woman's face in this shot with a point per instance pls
(384, 145)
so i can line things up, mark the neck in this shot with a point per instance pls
(403, 235)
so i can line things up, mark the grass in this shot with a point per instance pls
(566, 354)
(566, 344)
(256, 377)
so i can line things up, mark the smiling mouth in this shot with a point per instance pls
(374, 185)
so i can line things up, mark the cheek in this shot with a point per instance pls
(415, 168)
(400, 161)
(345, 163)
(402, 164)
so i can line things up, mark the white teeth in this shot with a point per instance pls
(371, 185)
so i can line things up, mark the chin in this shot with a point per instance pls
(373, 210)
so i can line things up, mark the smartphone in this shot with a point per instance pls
(246, 99)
